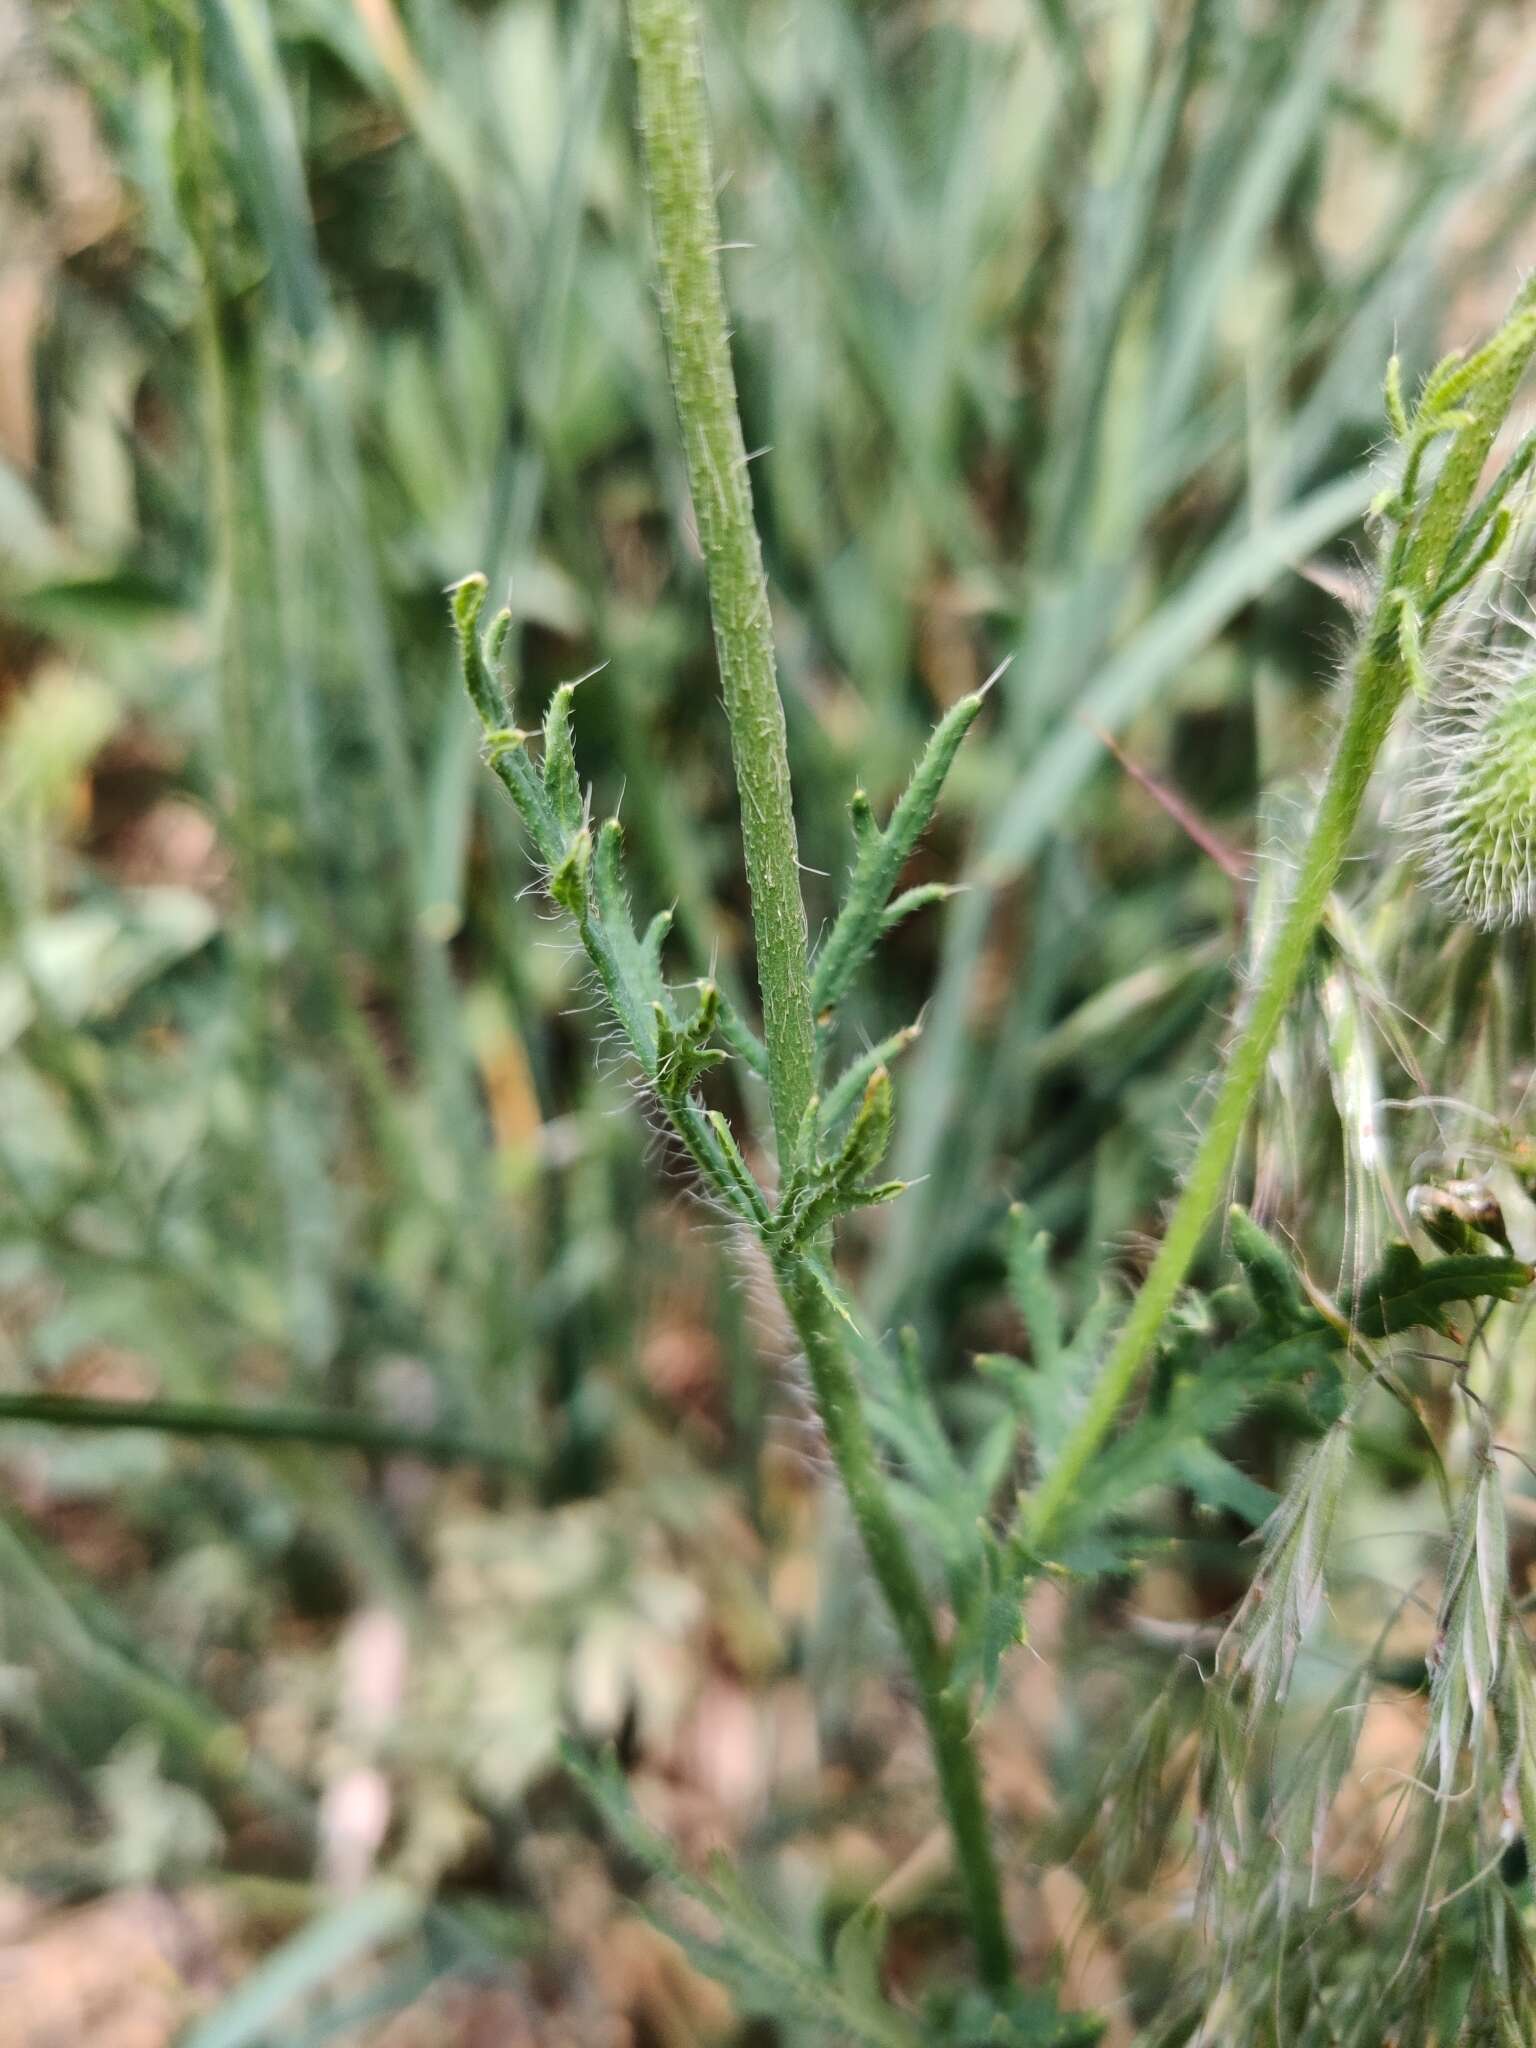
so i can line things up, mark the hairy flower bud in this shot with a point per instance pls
(1474, 820)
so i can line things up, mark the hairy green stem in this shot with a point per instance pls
(946, 1707)
(675, 138)
(675, 142)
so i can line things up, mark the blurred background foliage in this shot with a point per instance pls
(1060, 331)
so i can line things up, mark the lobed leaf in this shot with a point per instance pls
(1407, 1293)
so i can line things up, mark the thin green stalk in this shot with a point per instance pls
(675, 137)
(1373, 702)
(675, 142)
(946, 1707)
(260, 1425)
(1419, 574)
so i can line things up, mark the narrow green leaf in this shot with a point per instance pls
(850, 1085)
(638, 959)
(561, 784)
(466, 600)
(901, 907)
(568, 884)
(868, 1135)
(307, 1963)
(1270, 1274)
(1034, 1293)
(881, 856)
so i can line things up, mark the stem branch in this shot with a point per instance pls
(675, 143)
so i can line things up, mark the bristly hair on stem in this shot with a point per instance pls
(829, 1147)
(676, 151)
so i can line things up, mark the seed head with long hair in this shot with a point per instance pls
(1473, 819)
